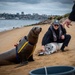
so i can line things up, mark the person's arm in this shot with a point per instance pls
(72, 14)
(46, 37)
(63, 32)
(71, 18)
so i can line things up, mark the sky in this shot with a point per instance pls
(48, 7)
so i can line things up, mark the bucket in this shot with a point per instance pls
(54, 70)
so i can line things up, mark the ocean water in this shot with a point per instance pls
(10, 24)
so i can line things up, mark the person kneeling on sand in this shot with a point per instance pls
(55, 36)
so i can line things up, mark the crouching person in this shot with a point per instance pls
(56, 34)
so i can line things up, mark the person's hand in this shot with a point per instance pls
(62, 37)
(67, 22)
(43, 48)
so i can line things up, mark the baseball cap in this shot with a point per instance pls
(56, 22)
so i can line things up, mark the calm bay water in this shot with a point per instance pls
(9, 24)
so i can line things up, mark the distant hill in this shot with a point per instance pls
(50, 19)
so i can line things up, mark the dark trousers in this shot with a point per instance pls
(65, 41)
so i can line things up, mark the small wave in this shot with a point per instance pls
(5, 29)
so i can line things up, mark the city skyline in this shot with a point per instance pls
(49, 7)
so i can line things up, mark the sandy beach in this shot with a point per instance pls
(9, 38)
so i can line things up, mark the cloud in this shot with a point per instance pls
(62, 1)
(38, 1)
(25, 1)
(36, 6)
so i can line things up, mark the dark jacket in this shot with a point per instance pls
(48, 37)
(72, 14)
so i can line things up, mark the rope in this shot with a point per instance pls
(45, 70)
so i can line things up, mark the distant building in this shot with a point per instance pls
(22, 16)
(2, 18)
(22, 13)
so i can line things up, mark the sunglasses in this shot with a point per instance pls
(56, 25)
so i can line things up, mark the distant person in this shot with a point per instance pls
(56, 34)
(71, 17)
